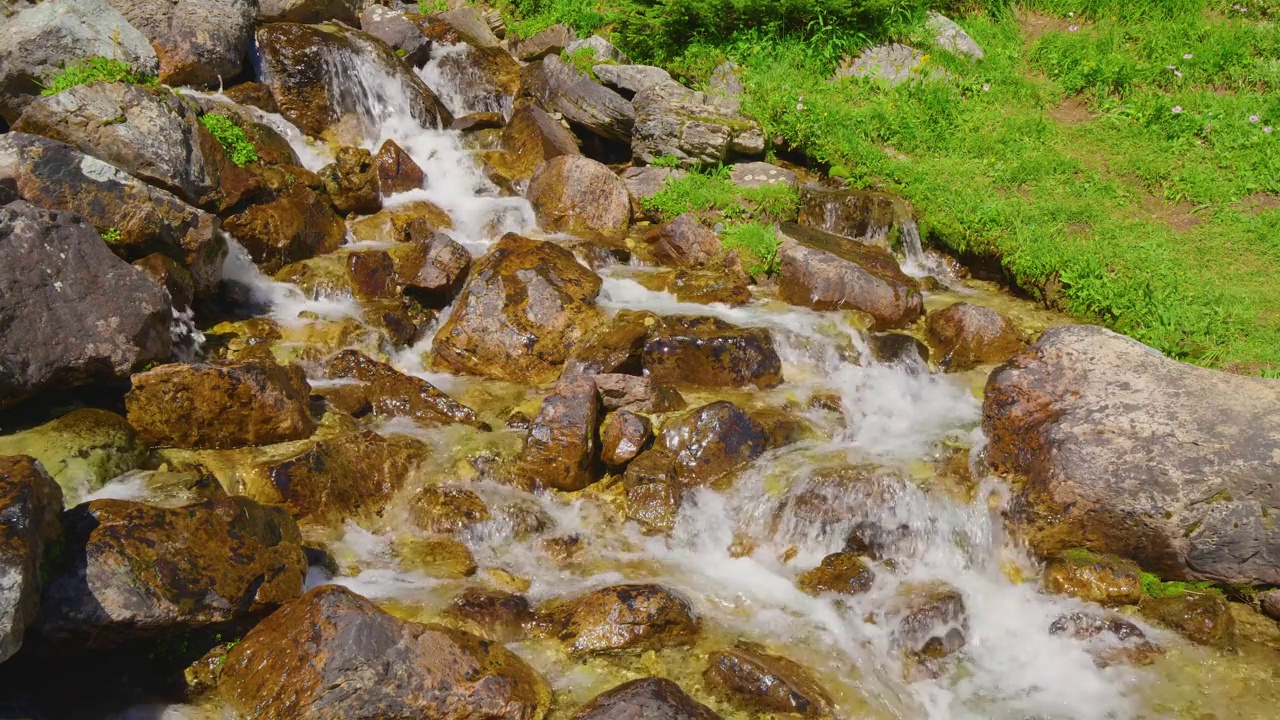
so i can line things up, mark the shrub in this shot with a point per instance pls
(231, 137)
(95, 69)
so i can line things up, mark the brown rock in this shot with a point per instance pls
(685, 242)
(899, 349)
(614, 346)
(1203, 617)
(560, 450)
(373, 275)
(172, 276)
(443, 558)
(397, 172)
(132, 570)
(198, 43)
(645, 699)
(410, 222)
(828, 272)
(930, 620)
(1122, 642)
(479, 121)
(841, 572)
(759, 681)
(653, 492)
(447, 509)
(490, 79)
(562, 88)
(708, 352)
(351, 182)
(1270, 603)
(526, 306)
(432, 270)
(493, 614)
(295, 226)
(533, 137)
(334, 654)
(624, 617)
(30, 530)
(254, 94)
(391, 393)
(709, 286)
(1104, 579)
(862, 215)
(637, 394)
(968, 335)
(470, 26)
(579, 196)
(624, 436)
(553, 40)
(711, 441)
(220, 405)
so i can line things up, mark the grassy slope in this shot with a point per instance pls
(1061, 154)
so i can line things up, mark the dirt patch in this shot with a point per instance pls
(1072, 111)
(1178, 216)
(1034, 24)
(1258, 203)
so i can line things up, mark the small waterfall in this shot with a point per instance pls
(188, 341)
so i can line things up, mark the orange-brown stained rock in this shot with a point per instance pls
(968, 335)
(295, 226)
(373, 275)
(708, 352)
(579, 196)
(493, 614)
(685, 242)
(711, 441)
(759, 681)
(624, 436)
(638, 394)
(1203, 617)
(645, 699)
(446, 509)
(1104, 579)
(30, 505)
(225, 404)
(404, 223)
(709, 286)
(175, 278)
(560, 450)
(397, 172)
(652, 490)
(841, 572)
(532, 137)
(526, 306)
(623, 617)
(614, 346)
(391, 393)
(333, 654)
(352, 182)
(132, 570)
(432, 267)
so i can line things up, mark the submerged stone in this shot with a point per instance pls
(80, 450)
(708, 352)
(759, 681)
(624, 618)
(645, 699)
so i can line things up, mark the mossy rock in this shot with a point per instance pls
(81, 450)
(1104, 579)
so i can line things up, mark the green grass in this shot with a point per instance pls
(757, 245)
(231, 137)
(95, 69)
(713, 191)
(429, 6)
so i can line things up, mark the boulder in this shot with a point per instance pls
(133, 571)
(624, 436)
(434, 271)
(685, 242)
(637, 394)
(726, 79)
(80, 450)
(842, 573)
(623, 618)
(470, 26)
(412, 221)
(581, 197)
(494, 614)
(149, 132)
(708, 352)
(333, 654)
(351, 182)
(1127, 452)
(829, 272)
(307, 66)
(614, 346)
(949, 36)
(867, 216)
(198, 42)
(696, 128)
(969, 335)
(630, 79)
(553, 40)
(295, 226)
(241, 104)
(484, 79)
(372, 275)
(602, 50)
(447, 509)
(711, 441)
(309, 11)
(752, 175)
(652, 490)
(350, 474)
(891, 64)
(645, 182)
(397, 172)
(645, 699)
(1202, 617)
(759, 681)
(560, 450)
(562, 88)
(72, 312)
(224, 404)
(30, 529)
(138, 219)
(392, 393)
(526, 306)
(398, 32)
(1104, 579)
(38, 42)
(171, 276)
(533, 137)
(1270, 603)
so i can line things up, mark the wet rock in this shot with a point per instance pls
(398, 32)
(652, 490)
(86, 316)
(1270, 603)
(341, 476)
(470, 26)
(1126, 452)
(949, 36)
(171, 276)
(761, 174)
(253, 94)
(447, 509)
(334, 654)
(645, 182)
(30, 503)
(645, 699)
(144, 219)
(132, 570)
(562, 88)
(867, 216)
(392, 393)
(671, 119)
(685, 242)
(630, 79)
(223, 404)
(711, 441)
(726, 79)
(295, 226)
(968, 335)
(1106, 580)
(488, 79)
(436, 557)
(300, 62)
(309, 11)
(1109, 639)
(414, 221)
(930, 620)
(899, 349)
(526, 306)
(560, 450)
(492, 614)
(397, 172)
(373, 275)
(351, 182)
(624, 436)
(892, 64)
(601, 49)
(80, 450)
(579, 196)
(614, 346)
(433, 271)
(39, 41)
(553, 40)
(637, 394)
(198, 42)
(728, 286)
(624, 618)
(474, 123)
(533, 137)
(841, 572)
(759, 681)
(1203, 617)
(708, 352)
(828, 272)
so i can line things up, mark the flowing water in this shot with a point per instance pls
(903, 451)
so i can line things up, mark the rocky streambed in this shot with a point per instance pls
(423, 414)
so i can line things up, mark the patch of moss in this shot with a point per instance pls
(1154, 587)
(585, 60)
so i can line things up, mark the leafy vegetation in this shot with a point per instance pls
(112, 235)
(430, 6)
(1153, 586)
(96, 69)
(232, 138)
(757, 244)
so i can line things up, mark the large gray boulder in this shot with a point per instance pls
(891, 64)
(1125, 451)
(671, 119)
(199, 42)
(562, 88)
(30, 503)
(309, 11)
(139, 219)
(39, 41)
(399, 32)
(950, 36)
(72, 312)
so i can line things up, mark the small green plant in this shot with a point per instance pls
(584, 59)
(696, 192)
(231, 137)
(776, 202)
(112, 235)
(95, 69)
(757, 245)
(1154, 587)
(430, 6)
(665, 161)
